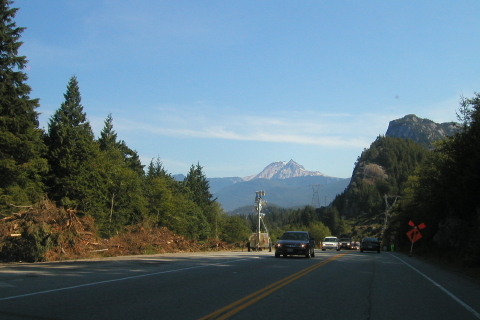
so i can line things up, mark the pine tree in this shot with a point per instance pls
(199, 192)
(156, 169)
(72, 151)
(108, 137)
(108, 141)
(21, 145)
(121, 178)
(197, 183)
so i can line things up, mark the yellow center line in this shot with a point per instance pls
(262, 293)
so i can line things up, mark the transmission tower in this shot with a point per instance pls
(315, 197)
(389, 206)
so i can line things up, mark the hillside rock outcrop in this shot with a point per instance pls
(421, 131)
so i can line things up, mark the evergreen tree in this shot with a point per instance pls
(72, 152)
(157, 190)
(131, 158)
(319, 231)
(197, 183)
(234, 229)
(108, 137)
(120, 186)
(308, 215)
(199, 192)
(156, 169)
(21, 145)
(331, 218)
(108, 141)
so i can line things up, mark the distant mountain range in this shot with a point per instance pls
(287, 184)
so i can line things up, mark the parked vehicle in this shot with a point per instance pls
(330, 243)
(370, 244)
(255, 243)
(295, 243)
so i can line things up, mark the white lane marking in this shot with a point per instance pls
(466, 306)
(115, 280)
(5, 285)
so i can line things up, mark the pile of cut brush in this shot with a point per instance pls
(45, 232)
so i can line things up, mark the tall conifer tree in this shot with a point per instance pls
(108, 137)
(197, 183)
(72, 150)
(21, 145)
(122, 181)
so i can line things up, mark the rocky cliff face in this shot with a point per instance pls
(283, 170)
(422, 131)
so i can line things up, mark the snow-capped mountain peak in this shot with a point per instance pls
(283, 170)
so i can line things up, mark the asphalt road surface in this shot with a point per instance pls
(238, 285)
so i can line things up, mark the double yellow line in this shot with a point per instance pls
(237, 306)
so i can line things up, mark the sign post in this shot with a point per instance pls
(414, 234)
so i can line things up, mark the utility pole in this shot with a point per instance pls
(259, 201)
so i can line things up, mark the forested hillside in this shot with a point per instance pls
(397, 180)
(380, 170)
(444, 194)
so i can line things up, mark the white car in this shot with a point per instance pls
(330, 243)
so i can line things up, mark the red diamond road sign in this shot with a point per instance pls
(414, 235)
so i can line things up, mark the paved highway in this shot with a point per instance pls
(238, 285)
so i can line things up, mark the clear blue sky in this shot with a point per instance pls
(236, 85)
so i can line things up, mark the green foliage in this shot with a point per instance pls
(197, 183)
(21, 146)
(331, 218)
(185, 218)
(120, 200)
(444, 191)
(172, 204)
(198, 189)
(318, 231)
(381, 170)
(159, 186)
(72, 151)
(30, 247)
(235, 230)
(108, 137)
